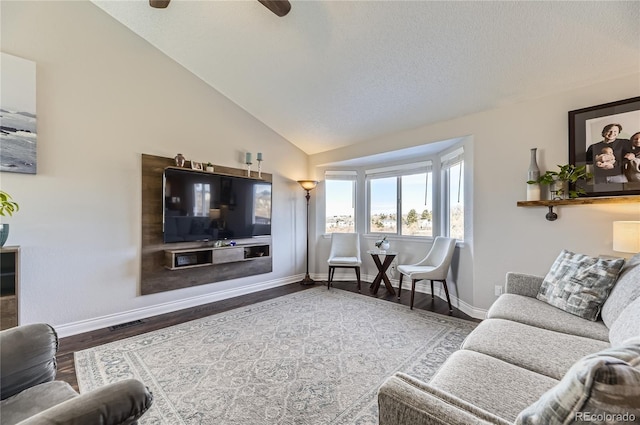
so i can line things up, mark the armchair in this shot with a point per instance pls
(29, 395)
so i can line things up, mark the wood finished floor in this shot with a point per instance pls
(69, 345)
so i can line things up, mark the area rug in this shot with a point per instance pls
(313, 357)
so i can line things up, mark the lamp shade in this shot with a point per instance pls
(308, 184)
(626, 236)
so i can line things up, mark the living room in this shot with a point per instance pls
(105, 96)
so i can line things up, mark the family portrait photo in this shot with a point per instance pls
(606, 138)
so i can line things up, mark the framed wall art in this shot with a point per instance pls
(18, 137)
(606, 138)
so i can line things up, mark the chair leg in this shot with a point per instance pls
(400, 285)
(358, 276)
(413, 292)
(432, 289)
(329, 278)
(446, 291)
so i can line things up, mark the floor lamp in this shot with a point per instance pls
(308, 185)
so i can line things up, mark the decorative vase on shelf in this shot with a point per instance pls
(533, 189)
(179, 160)
(385, 246)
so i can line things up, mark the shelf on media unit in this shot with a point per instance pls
(178, 259)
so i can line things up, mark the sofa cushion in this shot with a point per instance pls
(487, 382)
(539, 350)
(627, 325)
(605, 384)
(626, 289)
(534, 312)
(579, 284)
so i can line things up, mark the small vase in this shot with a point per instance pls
(533, 189)
(385, 246)
(179, 160)
(559, 190)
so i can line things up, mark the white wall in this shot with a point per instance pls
(104, 97)
(505, 237)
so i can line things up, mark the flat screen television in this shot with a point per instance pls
(200, 206)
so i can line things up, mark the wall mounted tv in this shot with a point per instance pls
(201, 206)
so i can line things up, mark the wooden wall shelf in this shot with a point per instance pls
(551, 216)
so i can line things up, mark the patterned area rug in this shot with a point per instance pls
(308, 358)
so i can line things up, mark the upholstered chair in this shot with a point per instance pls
(30, 395)
(435, 266)
(345, 253)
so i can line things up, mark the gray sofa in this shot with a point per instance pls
(520, 352)
(31, 396)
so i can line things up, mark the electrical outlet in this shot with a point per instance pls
(498, 290)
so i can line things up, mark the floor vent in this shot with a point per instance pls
(125, 325)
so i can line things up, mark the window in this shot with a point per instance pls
(417, 205)
(383, 207)
(340, 201)
(453, 170)
(400, 200)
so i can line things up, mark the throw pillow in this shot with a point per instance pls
(579, 284)
(603, 387)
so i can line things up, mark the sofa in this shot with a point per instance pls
(30, 395)
(530, 362)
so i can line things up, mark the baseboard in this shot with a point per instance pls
(89, 325)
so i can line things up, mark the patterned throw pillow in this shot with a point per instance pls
(600, 388)
(579, 284)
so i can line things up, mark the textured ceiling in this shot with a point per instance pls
(334, 73)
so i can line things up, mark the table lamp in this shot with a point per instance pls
(626, 236)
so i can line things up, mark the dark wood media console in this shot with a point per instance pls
(166, 267)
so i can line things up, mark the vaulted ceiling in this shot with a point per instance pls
(334, 73)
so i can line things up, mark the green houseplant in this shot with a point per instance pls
(7, 208)
(563, 182)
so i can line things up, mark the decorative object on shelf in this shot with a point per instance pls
(307, 185)
(209, 167)
(179, 160)
(562, 184)
(196, 165)
(533, 189)
(259, 159)
(7, 208)
(626, 236)
(602, 130)
(247, 161)
(383, 244)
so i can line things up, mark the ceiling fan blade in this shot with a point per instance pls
(279, 7)
(159, 4)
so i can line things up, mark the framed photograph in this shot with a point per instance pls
(196, 165)
(606, 138)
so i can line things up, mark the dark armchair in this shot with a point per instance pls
(30, 395)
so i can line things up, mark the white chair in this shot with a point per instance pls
(434, 266)
(345, 253)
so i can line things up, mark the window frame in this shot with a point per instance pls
(398, 171)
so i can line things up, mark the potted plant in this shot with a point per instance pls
(562, 184)
(7, 208)
(209, 167)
